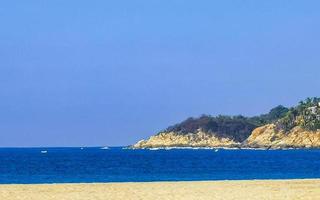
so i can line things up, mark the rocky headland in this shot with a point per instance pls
(281, 128)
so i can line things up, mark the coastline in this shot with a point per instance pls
(229, 189)
(217, 148)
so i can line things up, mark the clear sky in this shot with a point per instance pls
(88, 73)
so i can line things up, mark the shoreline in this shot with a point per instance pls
(218, 148)
(174, 181)
(287, 189)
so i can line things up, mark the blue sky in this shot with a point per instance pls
(88, 73)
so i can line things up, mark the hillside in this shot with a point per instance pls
(269, 137)
(296, 127)
(299, 128)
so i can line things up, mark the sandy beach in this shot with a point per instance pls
(224, 190)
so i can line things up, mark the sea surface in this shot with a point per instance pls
(86, 165)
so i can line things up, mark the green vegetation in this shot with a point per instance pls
(306, 115)
(274, 115)
(236, 127)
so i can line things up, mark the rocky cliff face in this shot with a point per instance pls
(268, 137)
(199, 139)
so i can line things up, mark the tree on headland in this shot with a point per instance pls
(306, 115)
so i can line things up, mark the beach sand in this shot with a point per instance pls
(224, 190)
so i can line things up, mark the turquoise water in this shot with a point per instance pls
(76, 165)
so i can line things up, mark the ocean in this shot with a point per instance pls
(87, 165)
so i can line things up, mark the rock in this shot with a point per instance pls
(172, 139)
(268, 137)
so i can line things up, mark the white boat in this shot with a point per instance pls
(44, 151)
(104, 148)
(154, 149)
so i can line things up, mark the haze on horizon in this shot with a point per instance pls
(79, 73)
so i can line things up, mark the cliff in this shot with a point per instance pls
(269, 137)
(199, 139)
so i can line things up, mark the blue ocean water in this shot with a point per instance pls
(76, 165)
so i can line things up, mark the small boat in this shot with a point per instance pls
(216, 150)
(44, 151)
(154, 149)
(104, 148)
